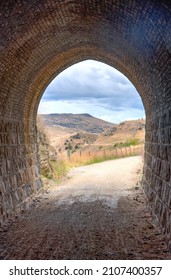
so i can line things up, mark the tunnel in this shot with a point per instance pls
(40, 39)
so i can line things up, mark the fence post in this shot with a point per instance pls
(68, 154)
(130, 150)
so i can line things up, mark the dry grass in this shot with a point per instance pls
(61, 167)
(89, 157)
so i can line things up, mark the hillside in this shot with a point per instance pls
(76, 122)
(81, 132)
(123, 132)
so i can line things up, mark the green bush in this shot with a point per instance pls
(128, 143)
(49, 176)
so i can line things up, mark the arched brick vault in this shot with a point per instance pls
(41, 38)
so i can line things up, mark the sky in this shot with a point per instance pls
(95, 88)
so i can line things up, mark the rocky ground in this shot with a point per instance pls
(98, 212)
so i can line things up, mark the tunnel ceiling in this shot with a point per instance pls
(39, 39)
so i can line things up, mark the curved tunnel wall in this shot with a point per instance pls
(39, 39)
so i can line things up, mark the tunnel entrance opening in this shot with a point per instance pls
(89, 113)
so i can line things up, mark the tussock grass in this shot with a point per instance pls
(59, 168)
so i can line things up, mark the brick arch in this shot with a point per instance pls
(61, 62)
(42, 38)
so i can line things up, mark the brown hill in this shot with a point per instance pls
(80, 132)
(80, 129)
(76, 122)
(123, 132)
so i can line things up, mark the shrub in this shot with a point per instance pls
(128, 143)
(59, 169)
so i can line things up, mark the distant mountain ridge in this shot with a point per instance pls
(76, 122)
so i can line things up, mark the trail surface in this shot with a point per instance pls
(98, 212)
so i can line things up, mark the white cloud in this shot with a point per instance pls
(95, 88)
(80, 107)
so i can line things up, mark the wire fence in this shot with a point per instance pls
(105, 154)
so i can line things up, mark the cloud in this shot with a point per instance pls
(95, 109)
(92, 83)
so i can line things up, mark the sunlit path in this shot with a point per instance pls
(97, 213)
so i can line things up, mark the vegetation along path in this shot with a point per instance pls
(98, 212)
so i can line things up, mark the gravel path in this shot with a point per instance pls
(96, 213)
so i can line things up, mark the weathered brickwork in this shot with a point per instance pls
(41, 38)
(19, 168)
(157, 169)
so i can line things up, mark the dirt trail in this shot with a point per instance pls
(97, 213)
